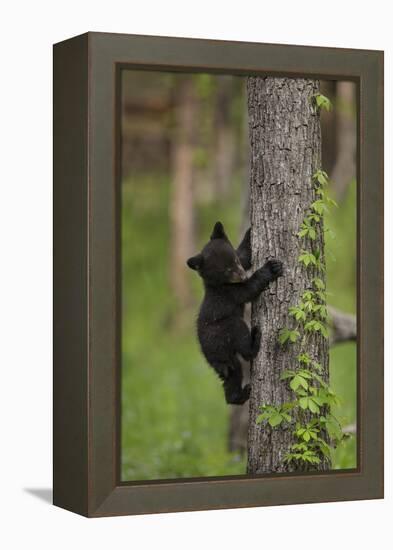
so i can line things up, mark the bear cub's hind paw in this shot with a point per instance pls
(255, 341)
(246, 392)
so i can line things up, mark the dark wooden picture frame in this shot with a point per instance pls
(86, 274)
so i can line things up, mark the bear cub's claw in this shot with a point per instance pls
(275, 267)
(255, 341)
(246, 392)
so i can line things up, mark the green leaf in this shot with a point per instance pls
(287, 374)
(310, 403)
(294, 336)
(324, 331)
(274, 415)
(323, 313)
(260, 418)
(275, 420)
(287, 335)
(318, 283)
(303, 402)
(284, 335)
(307, 229)
(310, 326)
(297, 312)
(306, 374)
(313, 406)
(307, 258)
(331, 201)
(333, 427)
(324, 448)
(288, 406)
(304, 358)
(297, 381)
(319, 207)
(325, 395)
(317, 366)
(323, 102)
(319, 379)
(299, 447)
(321, 177)
(321, 295)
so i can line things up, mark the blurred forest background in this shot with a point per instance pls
(184, 166)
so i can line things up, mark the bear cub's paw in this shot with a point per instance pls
(255, 341)
(246, 391)
(275, 267)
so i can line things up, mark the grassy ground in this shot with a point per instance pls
(341, 279)
(174, 418)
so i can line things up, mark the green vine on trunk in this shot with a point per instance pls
(316, 430)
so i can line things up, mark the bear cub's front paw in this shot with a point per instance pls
(275, 268)
(255, 341)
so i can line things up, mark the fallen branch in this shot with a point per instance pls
(350, 429)
(343, 326)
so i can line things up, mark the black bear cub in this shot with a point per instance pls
(222, 331)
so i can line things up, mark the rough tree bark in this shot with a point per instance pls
(285, 136)
(182, 192)
(239, 414)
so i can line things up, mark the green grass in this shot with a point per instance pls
(341, 283)
(174, 417)
(341, 252)
(343, 381)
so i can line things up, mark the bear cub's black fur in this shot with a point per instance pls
(222, 331)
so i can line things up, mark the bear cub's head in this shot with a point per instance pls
(218, 262)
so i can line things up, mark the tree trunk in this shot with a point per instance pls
(285, 136)
(182, 192)
(239, 414)
(224, 137)
(344, 170)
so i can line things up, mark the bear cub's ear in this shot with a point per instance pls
(218, 232)
(195, 262)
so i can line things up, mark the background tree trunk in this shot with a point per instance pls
(285, 137)
(344, 170)
(224, 137)
(182, 192)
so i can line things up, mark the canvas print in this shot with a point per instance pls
(238, 275)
